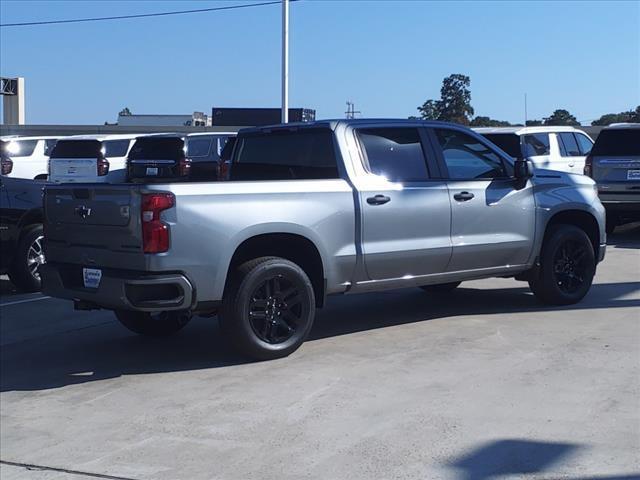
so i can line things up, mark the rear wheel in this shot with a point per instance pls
(149, 324)
(567, 266)
(25, 267)
(268, 308)
(441, 288)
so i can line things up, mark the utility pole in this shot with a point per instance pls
(351, 110)
(285, 61)
(525, 109)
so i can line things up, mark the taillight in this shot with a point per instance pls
(7, 166)
(588, 166)
(103, 166)
(184, 167)
(223, 171)
(155, 233)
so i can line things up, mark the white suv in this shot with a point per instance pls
(553, 148)
(30, 155)
(91, 159)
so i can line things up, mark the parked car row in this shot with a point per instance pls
(614, 163)
(116, 158)
(28, 162)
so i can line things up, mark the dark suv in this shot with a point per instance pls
(174, 157)
(614, 163)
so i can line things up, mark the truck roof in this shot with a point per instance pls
(622, 126)
(333, 123)
(523, 130)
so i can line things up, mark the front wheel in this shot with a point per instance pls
(159, 324)
(567, 266)
(268, 308)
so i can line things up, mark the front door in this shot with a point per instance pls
(492, 223)
(406, 214)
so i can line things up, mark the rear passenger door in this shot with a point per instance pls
(406, 215)
(492, 223)
(538, 148)
(571, 152)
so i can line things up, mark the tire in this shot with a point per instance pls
(268, 308)
(441, 288)
(567, 266)
(29, 255)
(159, 324)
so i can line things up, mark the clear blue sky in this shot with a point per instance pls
(386, 56)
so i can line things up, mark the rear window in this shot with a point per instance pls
(151, 148)
(618, 143)
(536, 144)
(76, 149)
(21, 148)
(306, 154)
(199, 147)
(509, 143)
(115, 148)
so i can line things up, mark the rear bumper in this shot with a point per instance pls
(119, 289)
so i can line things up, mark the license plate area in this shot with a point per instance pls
(91, 277)
(633, 174)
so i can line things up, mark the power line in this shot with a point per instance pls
(142, 15)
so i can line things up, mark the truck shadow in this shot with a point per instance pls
(106, 350)
(626, 236)
(521, 457)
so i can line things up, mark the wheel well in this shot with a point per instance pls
(582, 220)
(42, 176)
(33, 217)
(296, 248)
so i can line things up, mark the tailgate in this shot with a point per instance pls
(66, 170)
(616, 169)
(94, 225)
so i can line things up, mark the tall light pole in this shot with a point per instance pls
(285, 61)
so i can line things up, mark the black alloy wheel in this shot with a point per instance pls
(275, 310)
(268, 308)
(566, 268)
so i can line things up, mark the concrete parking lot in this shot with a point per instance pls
(478, 384)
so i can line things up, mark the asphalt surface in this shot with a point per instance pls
(478, 384)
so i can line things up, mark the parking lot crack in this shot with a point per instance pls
(30, 466)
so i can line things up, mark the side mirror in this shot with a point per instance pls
(522, 172)
(522, 169)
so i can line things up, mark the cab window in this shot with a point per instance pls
(467, 158)
(394, 153)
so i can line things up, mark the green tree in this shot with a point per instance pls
(561, 117)
(454, 104)
(534, 123)
(125, 111)
(430, 110)
(488, 122)
(632, 116)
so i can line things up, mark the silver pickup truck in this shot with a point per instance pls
(317, 209)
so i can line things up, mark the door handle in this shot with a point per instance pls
(378, 200)
(463, 196)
